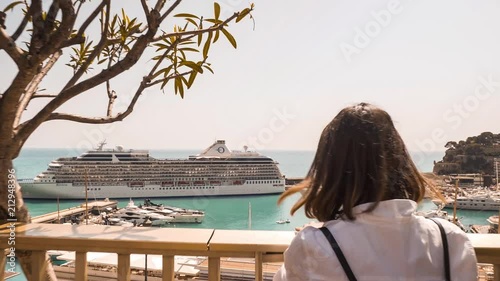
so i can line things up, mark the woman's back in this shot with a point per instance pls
(364, 185)
(389, 243)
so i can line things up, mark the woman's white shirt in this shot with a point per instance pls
(389, 243)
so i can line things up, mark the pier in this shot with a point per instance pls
(78, 211)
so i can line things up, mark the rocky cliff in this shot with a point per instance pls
(473, 155)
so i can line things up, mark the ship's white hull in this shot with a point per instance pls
(481, 206)
(32, 190)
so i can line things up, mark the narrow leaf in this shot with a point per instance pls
(188, 49)
(229, 37)
(216, 37)
(243, 14)
(217, 10)
(207, 45)
(192, 65)
(192, 21)
(191, 79)
(186, 15)
(12, 5)
(209, 68)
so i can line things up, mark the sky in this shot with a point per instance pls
(433, 65)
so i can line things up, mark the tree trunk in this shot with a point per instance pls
(13, 209)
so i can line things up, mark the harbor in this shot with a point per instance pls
(222, 213)
(65, 215)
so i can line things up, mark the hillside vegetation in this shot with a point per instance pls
(473, 155)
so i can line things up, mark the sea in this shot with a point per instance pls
(225, 212)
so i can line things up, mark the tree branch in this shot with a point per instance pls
(31, 89)
(22, 25)
(27, 128)
(62, 32)
(196, 32)
(79, 38)
(51, 16)
(95, 52)
(170, 9)
(7, 44)
(159, 5)
(91, 18)
(43, 96)
(102, 120)
(158, 81)
(145, 7)
(38, 37)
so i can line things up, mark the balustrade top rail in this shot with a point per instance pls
(178, 241)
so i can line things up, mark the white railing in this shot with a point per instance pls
(263, 246)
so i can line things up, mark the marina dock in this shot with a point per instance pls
(65, 214)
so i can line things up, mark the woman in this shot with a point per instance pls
(364, 186)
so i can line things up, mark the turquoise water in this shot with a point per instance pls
(221, 212)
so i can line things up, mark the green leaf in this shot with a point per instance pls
(216, 37)
(165, 72)
(179, 88)
(207, 45)
(160, 46)
(209, 68)
(184, 80)
(191, 79)
(12, 5)
(186, 15)
(192, 21)
(200, 36)
(188, 49)
(242, 14)
(192, 65)
(229, 37)
(217, 10)
(214, 21)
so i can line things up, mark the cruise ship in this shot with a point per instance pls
(120, 173)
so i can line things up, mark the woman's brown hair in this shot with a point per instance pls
(361, 158)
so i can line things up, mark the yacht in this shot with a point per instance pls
(138, 216)
(121, 173)
(179, 215)
(478, 201)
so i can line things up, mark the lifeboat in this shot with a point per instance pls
(136, 184)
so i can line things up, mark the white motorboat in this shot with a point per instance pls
(138, 216)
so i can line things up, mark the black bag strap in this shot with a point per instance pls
(338, 252)
(445, 249)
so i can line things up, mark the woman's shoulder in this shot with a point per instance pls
(448, 226)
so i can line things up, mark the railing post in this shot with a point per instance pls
(168, 268)
(81, 266)
(496, 272)
(258, 267)
(38, 264)
(214, 268)
(124, 267)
